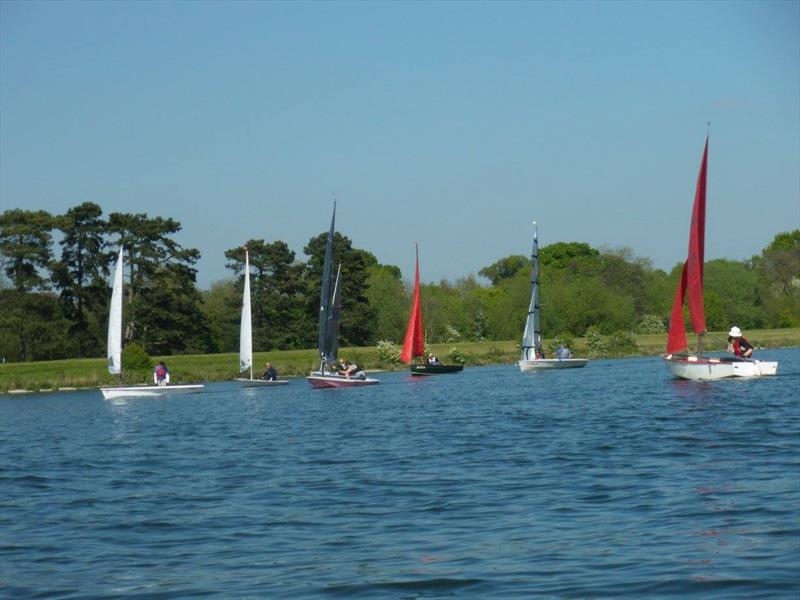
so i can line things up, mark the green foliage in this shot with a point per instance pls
(390, 300)
(778, 273)
(651, 324)
(456, 356)
(506, 268)
(135, 359)
(622, 343)
(595, 341)
(25, 241)
(388, 352)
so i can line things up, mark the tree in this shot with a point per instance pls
(157, 263)
(33, 327)
(25, 246)
(389, 299)
(357, 314)
(222, 305)
(506, 268)
(81, 275)
(778, 272)
(277, 293)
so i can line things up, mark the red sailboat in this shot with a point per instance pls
(680, 362)
(414, 342)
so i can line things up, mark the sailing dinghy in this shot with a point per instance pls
(246, 335)
(680, 362)
(328, 326)
(414, 342)
(532, 358)
(115, 352)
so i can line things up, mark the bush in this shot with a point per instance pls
(134, 358)
(595, 341)
(388, 352)
(652, 324)
(456, 356)
(622, 343)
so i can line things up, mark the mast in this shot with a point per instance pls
(325, 299)
(414, 342)
(532, 337)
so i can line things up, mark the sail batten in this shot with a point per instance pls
(414, 342)
(690, 285)
(115, 321)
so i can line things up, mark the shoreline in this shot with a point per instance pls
(91, 373)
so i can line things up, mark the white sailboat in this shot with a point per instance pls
(696, 366)
(115, 351)
(328, 326)
(532, 358)
(246, 334)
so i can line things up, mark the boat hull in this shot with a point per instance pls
(546, 364)
(320, 381)
(435, 369)
(704, 368)
(261, 382)
(149, 391)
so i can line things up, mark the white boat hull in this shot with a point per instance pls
(544, 364)
(149, 391)
(261, 382)
(329, 380)
(704, 368)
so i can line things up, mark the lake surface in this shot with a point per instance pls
(610, 481)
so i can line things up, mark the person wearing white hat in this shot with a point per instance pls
(738, 344)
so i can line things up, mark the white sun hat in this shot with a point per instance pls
(735, 332)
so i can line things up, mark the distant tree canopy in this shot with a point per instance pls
(54, 304)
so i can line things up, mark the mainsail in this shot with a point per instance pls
(246, 328)
(691, 282)
(532, 338)
(115, 321)
(326, 303)
(414, 343)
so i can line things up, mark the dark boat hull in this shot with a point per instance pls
(435, 369)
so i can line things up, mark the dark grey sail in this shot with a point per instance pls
(532, 338)
(323, 324)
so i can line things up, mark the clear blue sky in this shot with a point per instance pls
(451, 124)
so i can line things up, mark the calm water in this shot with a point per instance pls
(612, 481)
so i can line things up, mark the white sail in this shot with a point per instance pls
(115, 322)
(246, 330)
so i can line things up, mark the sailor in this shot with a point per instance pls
(738, 344)
(351, 370)
(161, 374)
(563, 351)
(433, 360)
(270, 374)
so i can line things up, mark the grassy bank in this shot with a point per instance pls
(216, 367)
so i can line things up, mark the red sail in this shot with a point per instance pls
(414, 344)
(691, 283)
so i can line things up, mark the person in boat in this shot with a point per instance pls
(738, 344)
(563, 351)
(433, 360)
(269, 374)
(350, 370)
(161, 374)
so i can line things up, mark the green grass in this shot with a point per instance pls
(92, 372)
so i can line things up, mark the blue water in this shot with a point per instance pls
(611, 481)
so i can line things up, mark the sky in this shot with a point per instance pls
(450, 124)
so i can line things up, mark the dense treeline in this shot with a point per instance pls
(54, 301)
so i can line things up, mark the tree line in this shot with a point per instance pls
(54, 301)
